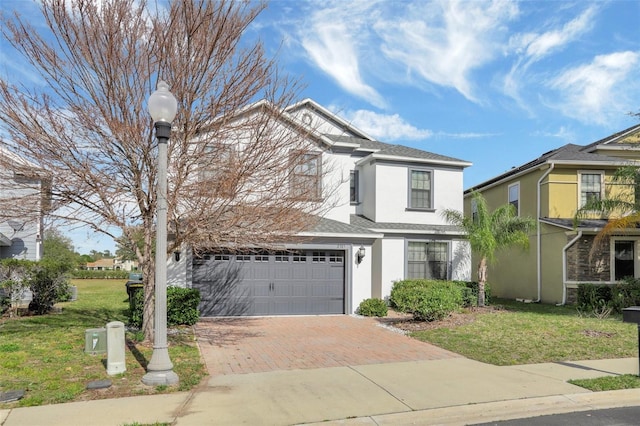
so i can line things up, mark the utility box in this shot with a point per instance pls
(115, 348)
(95, 340)
(631, 314)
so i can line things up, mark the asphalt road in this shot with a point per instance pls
(627, 416)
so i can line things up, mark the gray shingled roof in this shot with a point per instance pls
(405, 151)
(364, 143)
(364, 222)
(582, 224)
(330, 226)
(569, 152)
(382, 148)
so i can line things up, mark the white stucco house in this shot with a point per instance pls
(22, 202)
(384, 225)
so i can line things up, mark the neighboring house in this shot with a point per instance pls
(552, 188)
(22, 202)
(125, 265)
(101, 265)
(384, 224)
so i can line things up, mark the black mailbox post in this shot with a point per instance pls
(632, 314)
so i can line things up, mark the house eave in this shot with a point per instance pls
(376, 156)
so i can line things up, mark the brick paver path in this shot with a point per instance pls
(252, 345)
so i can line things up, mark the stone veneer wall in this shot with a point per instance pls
(582, 265)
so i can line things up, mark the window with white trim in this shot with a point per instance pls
(429, 260)
(353, 187)
(514, 196)
(591, 186)
(474, 210)
(306, 176)
(420, 189)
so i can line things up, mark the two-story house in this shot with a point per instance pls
(551, 189)
(22, 201)
(383, 225)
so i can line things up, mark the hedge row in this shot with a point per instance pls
(618, 296)
(99, 275)
(431, 300)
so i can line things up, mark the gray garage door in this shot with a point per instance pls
(268, 283)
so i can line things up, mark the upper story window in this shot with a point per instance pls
(514, 196)
(420, 189)
(474, 210)
(590, 186)
(306, 179)
(353, 187)
(217, 165)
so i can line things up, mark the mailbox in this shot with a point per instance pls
(631, 314)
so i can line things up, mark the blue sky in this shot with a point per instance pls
(496, 83)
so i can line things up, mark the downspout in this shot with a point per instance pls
(564, 267)
(539, 260)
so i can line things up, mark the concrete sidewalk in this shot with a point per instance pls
(449, 391)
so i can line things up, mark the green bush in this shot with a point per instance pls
(372, 308)
(182, 306)
(427, 300)
(470, 293)
(625, 294)
(48, 284)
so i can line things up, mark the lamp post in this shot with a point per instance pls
(162, 108)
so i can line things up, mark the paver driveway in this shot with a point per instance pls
(260, 344)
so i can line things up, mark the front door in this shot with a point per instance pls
(624, 259)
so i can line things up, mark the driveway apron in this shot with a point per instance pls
(261, 344)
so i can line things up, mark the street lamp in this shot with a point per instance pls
(162, 108)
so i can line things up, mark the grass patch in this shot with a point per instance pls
(519, 333)
(44, 355)
(625, 381)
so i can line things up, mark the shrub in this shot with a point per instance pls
(470, 293)
(182, 306)
(48, 284)
(625, 294)
(372, 308)
(427, 300)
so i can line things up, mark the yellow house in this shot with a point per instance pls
(551, 189)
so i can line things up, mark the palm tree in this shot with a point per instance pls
(490, 232)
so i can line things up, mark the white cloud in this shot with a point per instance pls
(532, 47)
(386, 128)
(600, 90)
(535, 46)
(444, 42)
(333, 38)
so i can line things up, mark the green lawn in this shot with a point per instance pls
(534, 333)
(44, 355)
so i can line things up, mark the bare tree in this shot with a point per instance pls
(231, 167)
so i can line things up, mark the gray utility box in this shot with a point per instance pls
(95, 340)
(631, 314)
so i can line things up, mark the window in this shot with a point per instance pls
(474, 211)
(428, 260)
(306, 176)
(353, 187)
(420, 189)
(217, 167)
(624, 259)
(590, 186)
(514, 197)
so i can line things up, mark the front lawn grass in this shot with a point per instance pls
(44, 355)
(519, 333)
(625, 381)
